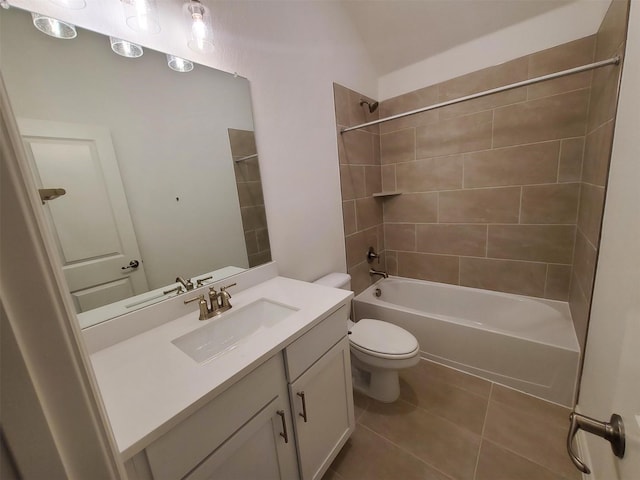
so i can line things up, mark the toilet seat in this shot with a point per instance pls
(383, 340)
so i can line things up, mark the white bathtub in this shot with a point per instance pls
(522, 342)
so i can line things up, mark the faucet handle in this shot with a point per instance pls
(202, 304)
(224, 289)
(225, 296)
(201, 281)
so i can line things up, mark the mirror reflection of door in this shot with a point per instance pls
(91, 223)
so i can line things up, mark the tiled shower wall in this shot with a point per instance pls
(600, 124)
(493, 190)
(249, 183)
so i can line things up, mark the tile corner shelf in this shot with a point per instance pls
(387, 194)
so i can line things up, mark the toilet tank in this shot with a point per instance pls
(336, 280)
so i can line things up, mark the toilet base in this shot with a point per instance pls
(380, 384)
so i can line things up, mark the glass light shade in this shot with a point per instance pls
(199, 27)
(141, 15)
(54, 28)
(179, 64)
(71, 4)
(125, 49)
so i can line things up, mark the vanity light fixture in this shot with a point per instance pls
(199, 25)
(70, 4)
(141, 15)
(53, 27)
(125, 48)
(178, 64)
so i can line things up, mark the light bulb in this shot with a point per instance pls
(200, 29)
(141, 15)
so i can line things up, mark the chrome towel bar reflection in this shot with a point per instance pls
(531, 81)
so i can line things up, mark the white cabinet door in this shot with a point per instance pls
(322, 404)
(91, 223)
(263, 449)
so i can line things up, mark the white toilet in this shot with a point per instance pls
(378, 350)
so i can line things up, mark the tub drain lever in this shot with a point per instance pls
(613, 431)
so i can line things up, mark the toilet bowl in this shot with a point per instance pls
(378, 350)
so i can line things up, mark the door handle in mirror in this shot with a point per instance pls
(133, 264)
(613, 431)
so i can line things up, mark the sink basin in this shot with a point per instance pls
(224, 333)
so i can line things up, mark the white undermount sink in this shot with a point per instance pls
(224, 333)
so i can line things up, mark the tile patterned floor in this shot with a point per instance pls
(448, 425)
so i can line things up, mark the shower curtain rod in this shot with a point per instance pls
(551, 76)
(248, 157)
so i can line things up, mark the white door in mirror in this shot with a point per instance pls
(91, 223)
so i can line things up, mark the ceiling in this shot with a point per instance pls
(398, 33)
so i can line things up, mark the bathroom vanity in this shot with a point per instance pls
(270, 397)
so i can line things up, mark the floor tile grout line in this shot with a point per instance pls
(484, 425)
(405, 450)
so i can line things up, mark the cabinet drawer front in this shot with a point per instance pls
(302, 353)
(176, 453)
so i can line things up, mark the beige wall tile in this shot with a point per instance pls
(349, 217)
(604, 96)
(357, 245)
(341, 103)
(391, 262)
(352, 182)
(404, 103)
(555, 203)
(368, 212)
(558, 282)
(251, 241)
(612, 31)
(520, 165)
(497, 463)
(456, 135)
(441, 173)
(451, 449)
(412, 208)
(597, 155)
(452, 239)
(253, 218)
(250, 193)
(389, 178)
(524, 278)
(568, 55)
(424, 266)
(242, 142)
(541, 243)
(357, 147)
(570, 168)
(247, 171)
(584, 264)
(360, 113)
(548, 118)
(487, 205)
(360, 278)
(400, 236)
(398, 146)
(480, 80)
(372, 179)
(263, 239)
(590, 213)
(579, 306)
(259, 258)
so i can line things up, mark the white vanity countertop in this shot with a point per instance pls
(148, 385)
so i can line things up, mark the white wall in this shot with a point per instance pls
(575, 20)
(616, 309)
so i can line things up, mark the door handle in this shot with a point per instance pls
(613, 431)
(133, 264)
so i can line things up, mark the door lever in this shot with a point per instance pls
(613, 431)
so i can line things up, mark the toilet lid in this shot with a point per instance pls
(382, 338)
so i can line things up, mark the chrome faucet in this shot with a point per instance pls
(218, 302)
(378, 272)
(188, 285)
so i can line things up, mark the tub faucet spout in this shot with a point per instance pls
(378, 272)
